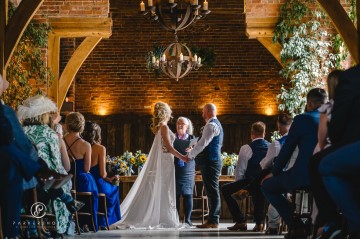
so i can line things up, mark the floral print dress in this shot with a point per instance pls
(47, 143)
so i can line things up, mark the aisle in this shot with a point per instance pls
(192, 233)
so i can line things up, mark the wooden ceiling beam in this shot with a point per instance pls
(81, 27)
(343, 24)
(273, 48)
(17, 25)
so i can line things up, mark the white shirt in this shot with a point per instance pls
(210, 130)
(244, 155)
(272, 152)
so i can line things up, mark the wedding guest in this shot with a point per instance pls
(54, 124)
(248, 169)
(184, 172)
(79, 152)
(302, 134)
(319, 191)
(92, 134)
(208, 156)
(19, 165)
(34, 114)
(340, 172)
(343, 129)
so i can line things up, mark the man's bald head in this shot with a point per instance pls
(209, 111)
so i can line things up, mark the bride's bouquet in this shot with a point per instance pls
(116, 166)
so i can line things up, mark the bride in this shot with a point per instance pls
(151, 202)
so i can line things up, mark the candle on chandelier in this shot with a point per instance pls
(153, 59)
(157, 62)
(142, 6)
(195, 58)
(195, 2)
(163, 57)
(199, 60)
(181, 57)
(150, 3)
(205, 6)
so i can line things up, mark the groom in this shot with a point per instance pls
(208, 156)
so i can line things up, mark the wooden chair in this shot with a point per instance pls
(34, 199)
(199, 196)
(86, 197)
(302, 201)
(102, 211)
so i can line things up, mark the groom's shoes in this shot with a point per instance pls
(208, 225)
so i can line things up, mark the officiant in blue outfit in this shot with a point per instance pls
(184, 172)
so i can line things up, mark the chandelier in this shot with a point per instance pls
(177, 60)
(174, 16)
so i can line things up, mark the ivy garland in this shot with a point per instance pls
(27, 64)
(309, 52)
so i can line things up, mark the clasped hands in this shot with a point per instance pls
(186, 158)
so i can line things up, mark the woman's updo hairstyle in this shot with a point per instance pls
(92, 133)
(75, 122)
(162, 111)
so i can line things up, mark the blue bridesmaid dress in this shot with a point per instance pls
(85, 182)
(112, 197)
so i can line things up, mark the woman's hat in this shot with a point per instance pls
(35, 106)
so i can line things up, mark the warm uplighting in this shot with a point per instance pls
(102, 111)
(269, 111)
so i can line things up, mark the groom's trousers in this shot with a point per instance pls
(210, 171)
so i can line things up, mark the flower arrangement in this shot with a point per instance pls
(129, 158)
(140, 158)
(116, 165)
(229, 159)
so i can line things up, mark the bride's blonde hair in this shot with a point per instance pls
(161, 112)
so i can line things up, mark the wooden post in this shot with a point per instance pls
(3, 21)
(358, 22)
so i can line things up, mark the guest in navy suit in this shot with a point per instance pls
(303, 133)
(248, 169)
(344, 129)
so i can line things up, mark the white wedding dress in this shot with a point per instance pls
(151, 201)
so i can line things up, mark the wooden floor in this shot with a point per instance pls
(192, 233)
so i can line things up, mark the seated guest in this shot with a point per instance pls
(34, 114)
(19, 164)
(79, 152)
(343, 129)
(340, 172)
(184, 172)
(283, 123)
(302, 134)
(92, 134)
(248, 169)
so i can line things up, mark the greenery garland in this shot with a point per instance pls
(309, 52)
(27, 64)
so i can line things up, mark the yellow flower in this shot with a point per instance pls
(143, 158)
(132, 161)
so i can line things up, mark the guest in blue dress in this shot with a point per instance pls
(184, 172)
(92, 134)
(79, 152)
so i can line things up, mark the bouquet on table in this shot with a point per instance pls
(116, 166)
(140, 159)
(129, 158)
(229, 161)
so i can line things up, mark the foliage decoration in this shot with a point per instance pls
(27, 64)
(309, 52)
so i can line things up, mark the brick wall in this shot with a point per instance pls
(114, 78)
